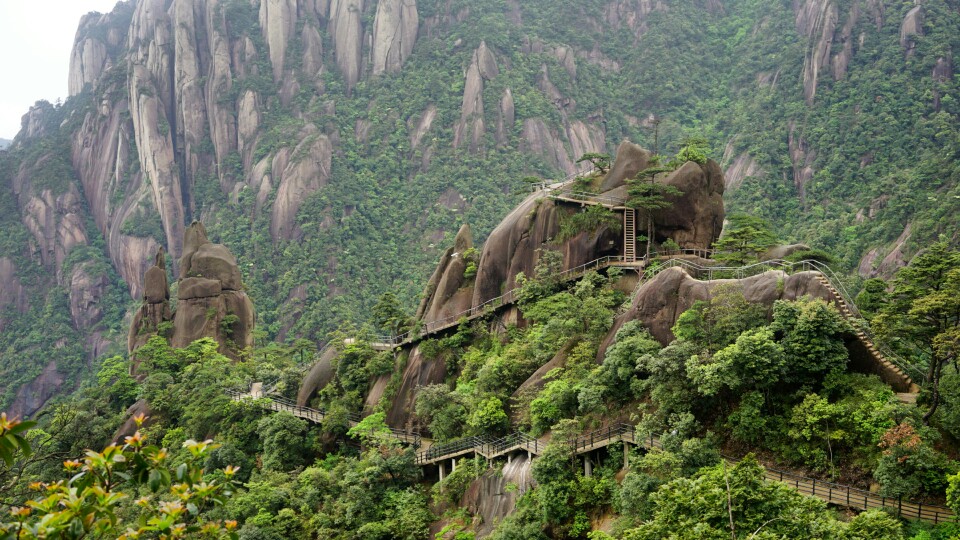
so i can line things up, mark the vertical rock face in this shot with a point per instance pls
(802, 157)
(89, 57)
(830, 47)
(86, 289)
(278, 20)
(539, 139)
(210, 303)
(816, 20)
(347, 31)
(12, 294)
(912, 25)
(394, 34)
(942, 73)
(506, 118)
(470, 129)
(150, 90)
(299, 179)
(631, 13)
(448, 292)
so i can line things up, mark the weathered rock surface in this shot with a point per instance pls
(12, 293)
(738, 168)
(347, 31)
(694, 221)
(895, 258)
(505, 118)
(631, 13)
(89, 57)
(394, 34)
(660, 302)
(470, 129)
(911, 26)
(278, 19)
(33, 395)
(87, 288)
(630, 159)
(448, 292)
(489, 498)
(298, 180)
(211, 302)
(802, 157)
(831, 46)
(319, 375)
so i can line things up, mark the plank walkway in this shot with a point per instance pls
(430, 454)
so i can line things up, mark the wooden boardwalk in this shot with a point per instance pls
(490, 448)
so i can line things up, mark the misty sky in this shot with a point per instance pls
(35, 41)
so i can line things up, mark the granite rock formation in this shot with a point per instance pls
(210, 300)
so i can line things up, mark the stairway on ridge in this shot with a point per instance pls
(878, 357)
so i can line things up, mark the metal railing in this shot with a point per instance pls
(844, 297)
(492, 304)
(279, 403)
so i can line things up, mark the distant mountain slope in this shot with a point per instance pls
(337, 145)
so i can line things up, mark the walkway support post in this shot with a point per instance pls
(587, 467)
(441, 471)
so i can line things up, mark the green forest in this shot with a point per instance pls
(858, 161)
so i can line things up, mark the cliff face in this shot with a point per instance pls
(333, 144)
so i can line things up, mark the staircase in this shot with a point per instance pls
(629, 235)
(878, 357)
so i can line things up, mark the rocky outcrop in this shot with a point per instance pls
(942, 73)
(505, 118)
(802, 157)
(872, 265)
(449, 291)
(394, 34)
(88, 60)
(278, 19)
(210, 300)
(87, 289)
(830, 46)
(306, 172)
(12, 293)
(738, 168)
(418, 372)
(33, 395)
(539, 139)
(632, 14)
(630, 159)
(911, 26)
(320, 374)
(694, 220)
(155, 309)
(489, 498)
(347, 32)
(470, 129)
(660, 302)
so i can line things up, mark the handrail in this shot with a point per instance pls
(279, 403)
(843, 296)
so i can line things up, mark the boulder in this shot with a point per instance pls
(695, 218)
(215, 262)
(631, 159)
(198, 287)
